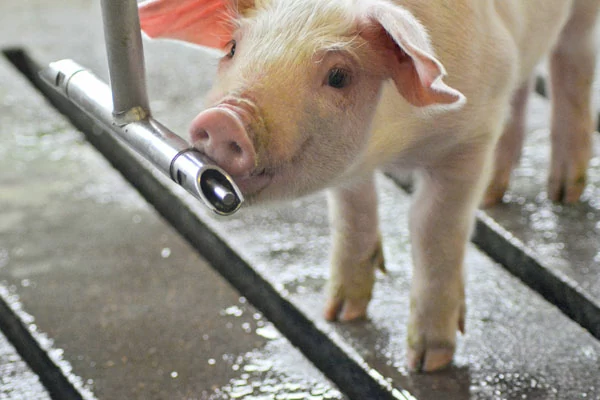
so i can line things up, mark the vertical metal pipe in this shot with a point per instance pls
(131, 118)
(125, 60)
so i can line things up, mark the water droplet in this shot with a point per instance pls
(238, 393)
(258, 366)
(268, 332)
(233, 310)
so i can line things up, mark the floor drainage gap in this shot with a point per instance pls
(51, 375)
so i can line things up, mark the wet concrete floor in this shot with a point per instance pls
(516, 346)
(128, 306)
(133, 312)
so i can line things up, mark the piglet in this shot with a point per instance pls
(315, 94)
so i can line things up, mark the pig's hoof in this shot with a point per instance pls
(431, 343)
(429, 359)
(346, 309)
(565, 190)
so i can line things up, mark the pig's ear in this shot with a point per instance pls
(415, 71)
(203, 22)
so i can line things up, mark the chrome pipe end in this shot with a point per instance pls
(206, 181)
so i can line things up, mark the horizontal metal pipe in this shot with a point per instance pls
(167, 151)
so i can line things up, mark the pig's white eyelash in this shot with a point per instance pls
(348, 46)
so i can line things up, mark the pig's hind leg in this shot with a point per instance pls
(508, 148)
(356, 251)
(572, 65)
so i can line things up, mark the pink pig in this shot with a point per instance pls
(315, 94)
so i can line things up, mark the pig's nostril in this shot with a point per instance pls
(221, 135)
(235, 148)
(200, 134)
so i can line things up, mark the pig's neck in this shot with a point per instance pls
(406, 136)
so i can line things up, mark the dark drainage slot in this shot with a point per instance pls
(15, 330)
(519, 261)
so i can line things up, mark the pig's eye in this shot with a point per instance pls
(231, 52)
(338, 78)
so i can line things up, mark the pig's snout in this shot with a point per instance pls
(220, 134)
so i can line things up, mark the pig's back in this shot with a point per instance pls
(483, 30)
(488, 47)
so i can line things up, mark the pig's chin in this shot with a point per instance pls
(252, 185)
(276, 186)
(297, 177)
(267, 187)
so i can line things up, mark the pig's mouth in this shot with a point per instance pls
(252, 184)
(256, 185)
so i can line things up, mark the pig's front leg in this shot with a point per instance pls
(356, 252)
(440, 225)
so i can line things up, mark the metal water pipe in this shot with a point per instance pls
(124, 109)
